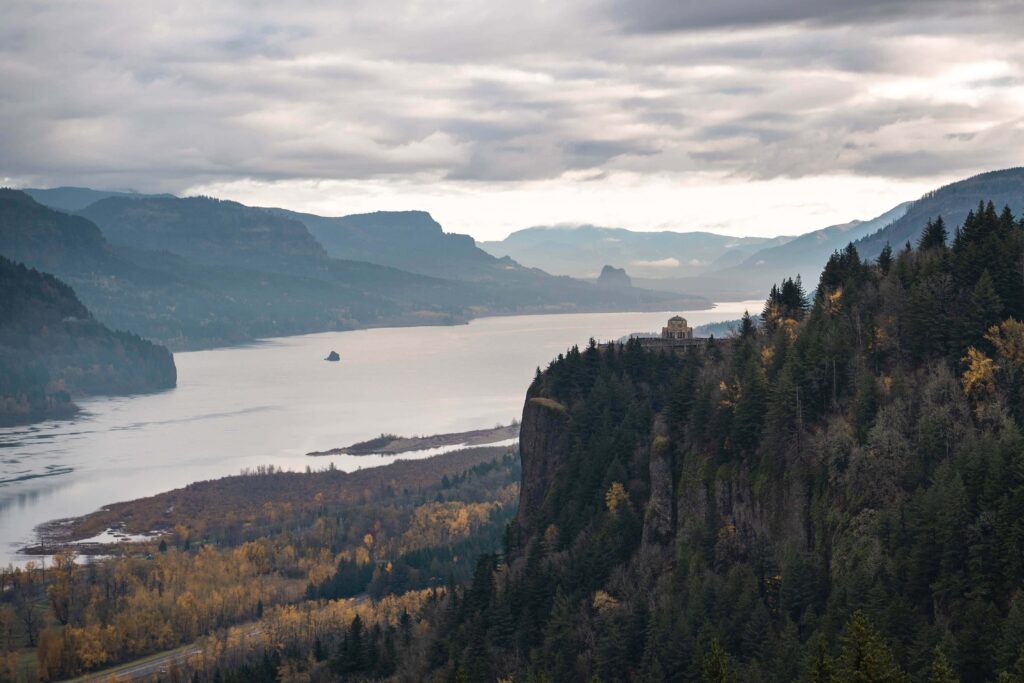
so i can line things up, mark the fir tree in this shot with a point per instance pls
(716, 665)
(865, 657)
(934, 235)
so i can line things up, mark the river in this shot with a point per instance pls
(274, 401)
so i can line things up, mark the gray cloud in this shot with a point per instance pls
(159, 97)
(694, 15)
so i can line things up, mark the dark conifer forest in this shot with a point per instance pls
(833, 493)
(836, 494)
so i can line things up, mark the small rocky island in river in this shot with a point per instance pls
(333, 357)
(391, 444)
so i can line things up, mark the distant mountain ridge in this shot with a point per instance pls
(71, 199)
(206, 231)
(953, 202)
(723, 268)
(408, 240)
(581, 251)
(165, 296)
(199, 272)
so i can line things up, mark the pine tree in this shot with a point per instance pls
(941, 671)
(820, 669)
(865, 404)
(558, 647)
(716, 665)
(750, 408)
(885, 259)
(986, 309)
(747, 327)
(934, 235)
(865, 657)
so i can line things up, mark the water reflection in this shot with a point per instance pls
(273, 402)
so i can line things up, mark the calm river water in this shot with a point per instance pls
(272, 402)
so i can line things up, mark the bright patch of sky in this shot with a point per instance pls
(739, 117)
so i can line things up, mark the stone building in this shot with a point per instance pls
(677, 329)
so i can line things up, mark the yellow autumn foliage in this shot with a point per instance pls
(616, 497)
(979, 380)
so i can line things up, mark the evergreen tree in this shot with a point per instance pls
(941, 671)
(985, 310)
(934, 235)
(885, 259)
(716, 665)
(750, 407)
(559, 647)
(820, 668)
(865, 657)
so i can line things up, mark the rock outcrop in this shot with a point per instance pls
(544, 448)
(614, 278)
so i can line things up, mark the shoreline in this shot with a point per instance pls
(391, 444)
(698, 303)
(141, 523)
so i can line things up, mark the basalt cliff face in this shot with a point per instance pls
(676, 494)
(543, 445)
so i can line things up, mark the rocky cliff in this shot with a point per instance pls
(543, 446)
(614, 278)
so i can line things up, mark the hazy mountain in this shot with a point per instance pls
(414, 241)
(74, 198)
(582, 251)
(164, 296)
(804, 255)
(52, 348)
(206, 231)
(723, 268)
(410, 240)
(202, 272)
(953, 202)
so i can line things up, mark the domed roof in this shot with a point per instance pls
(677, 318)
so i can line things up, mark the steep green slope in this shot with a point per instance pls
(835, 495)
(953, 202)
(207, 231)
(51, 349)
(805, 255)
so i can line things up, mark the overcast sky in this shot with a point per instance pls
(745, 117)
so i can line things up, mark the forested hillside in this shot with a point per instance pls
(835, 495)
(51, 349)
(953, 202)
(263, 569)
(207, 231)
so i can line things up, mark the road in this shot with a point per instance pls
(153, 665)
(162, 663)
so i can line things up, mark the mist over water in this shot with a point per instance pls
(272, 402)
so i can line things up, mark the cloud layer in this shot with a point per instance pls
(483, 96)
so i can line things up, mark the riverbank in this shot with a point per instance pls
(390, 444)
(275, 401)
(240, 501)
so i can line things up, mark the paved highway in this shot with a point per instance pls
(162, 663)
